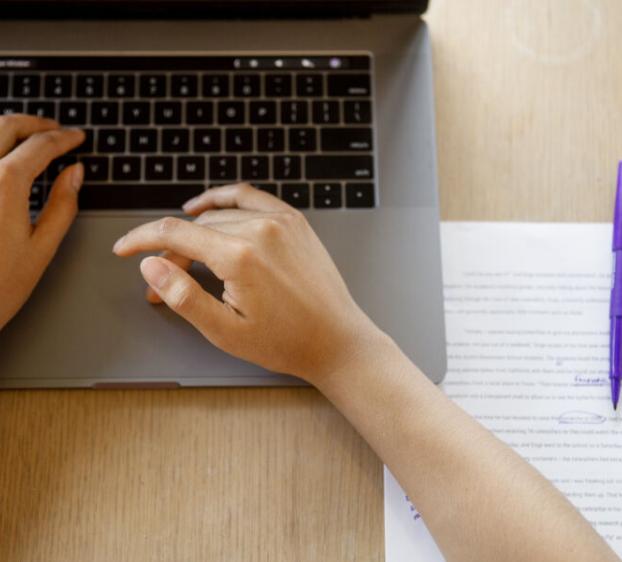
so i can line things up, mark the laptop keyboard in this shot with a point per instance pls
(160, 130)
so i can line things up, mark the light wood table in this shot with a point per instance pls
(529, 104)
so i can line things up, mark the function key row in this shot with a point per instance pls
(27, 85)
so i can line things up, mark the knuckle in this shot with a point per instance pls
(243, 255)
(269, 228)
(9, 170)
(181, 296)
(10, 121)
(167, 225)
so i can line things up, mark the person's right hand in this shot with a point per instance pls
(285, 305)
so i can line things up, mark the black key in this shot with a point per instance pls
(8, 107)
(126, 168)
(95, 168)
(136, 113)
(26, 85)
(339, 167)
(58, 165)
(239, 140)
(159, 168)
(199, 113)
(223, 168)
(111, 140)
(144, 140)
(255, 168)
(294, 112)
(121, 85)
(104, 113)
(349, 85)
(58, 86)
(262, 112)
(206, 140)
(360, 195)
(296, 194)
(279, 85)
(184, 86)
(231, 113)
(267, 187)
(215, 85)
(152, 86)
(137, 196)
(90, 86)
(353, 138)
(42, 109)
(175, 140)
(168, 113)
(191, 168)
(327, 195)
(270, 140)
(286, 167)
(302, 139)
(311, 85)
(325, 112)
(88, 145)
(4, 85)
(357, 112)
(246, 85)
(72, 112)
(37, 196)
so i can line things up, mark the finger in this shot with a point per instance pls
(180, 261)
(59, 211)
(187, 298)
(241, 196)
(215, 216)
(17, 127)
(33, 155)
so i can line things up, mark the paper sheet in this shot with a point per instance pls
(527, 340)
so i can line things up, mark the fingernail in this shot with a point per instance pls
(118, 244)
(190, 203)
(77, 176)
(155, 272)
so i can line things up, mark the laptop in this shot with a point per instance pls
(326, 104)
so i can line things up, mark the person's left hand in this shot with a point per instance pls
(26, 249)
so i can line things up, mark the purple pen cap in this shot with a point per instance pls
(617, 216)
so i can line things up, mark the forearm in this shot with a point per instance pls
(479, 499)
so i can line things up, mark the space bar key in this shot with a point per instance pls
(136, 196)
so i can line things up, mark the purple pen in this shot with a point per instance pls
(615, 310)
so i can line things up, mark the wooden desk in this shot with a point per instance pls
(529, 102)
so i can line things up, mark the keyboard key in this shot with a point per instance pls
(191, 168)
(223, 168)
(175, 140)
(95, 168)
(136, 113)
(184, 86)
(341, 138)
(90, 86)
(104, 113)
(349, 85)
(302, 139)
(286, 167)
(58, 165)
(231, 113)
(168, 113)
(255, 168)
(8, 107)
(37, 196)
(294, 112)
(206, 140)
(111, 140)
(137, 196)
(296, 194)
(215, 85)
(325, 112)
(270, 140)
(278, 85)
(42, 109)
(152, 86)
(262, 112)
(121, 85)
(72, 113)
(159, 168)
(246, 85)
(359, 195)
(4, 85)
(327, 195)
(88, 145)
(126, 168)
(58, 86)
(26, 85)
(267, 187)
(238, 140)
(199, 113)
(310, 85)
(357, 112)
(339, 167)
(144, 140)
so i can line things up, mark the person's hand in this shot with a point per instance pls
(27, 145)
(285, 305)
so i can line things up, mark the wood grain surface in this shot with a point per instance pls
(529, 113)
